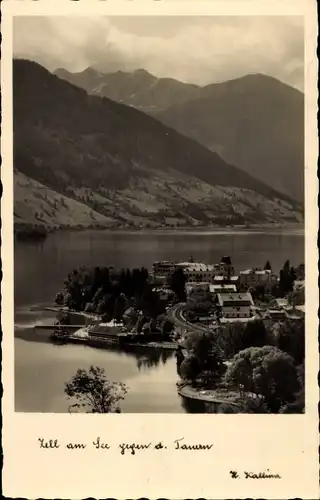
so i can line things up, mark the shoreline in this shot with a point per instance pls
(94, 342)
(252, 228)
(41, 333)
(212, 396)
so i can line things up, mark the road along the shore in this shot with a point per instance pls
(176, 315)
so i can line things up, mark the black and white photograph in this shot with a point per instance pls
(159, 214)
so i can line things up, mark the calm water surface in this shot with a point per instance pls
(42, 368)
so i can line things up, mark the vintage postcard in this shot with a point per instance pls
(159, 222)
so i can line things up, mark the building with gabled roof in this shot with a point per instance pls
(235, 305)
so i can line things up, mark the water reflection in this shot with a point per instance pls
(196, 406)
(150, 358)
(146, 357)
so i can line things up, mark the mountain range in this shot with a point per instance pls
(85, 160)
(255, 122)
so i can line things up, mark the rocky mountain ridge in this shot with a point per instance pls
(255, 122)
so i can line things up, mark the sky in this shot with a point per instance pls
(199, 50)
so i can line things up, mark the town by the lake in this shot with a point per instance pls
(159, 215)
(233, 339)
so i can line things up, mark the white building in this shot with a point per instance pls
(198, 271)
(255, 277)
(235, 305)
(223, 280)
(163, 268)
(195, 271)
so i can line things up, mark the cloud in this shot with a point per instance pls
(201, 50)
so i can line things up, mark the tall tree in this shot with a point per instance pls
(177, 282)
(287, 278)
(267, 266)
(93, 391)
(203, 355)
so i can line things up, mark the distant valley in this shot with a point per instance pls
(86, 161)
(255, 122)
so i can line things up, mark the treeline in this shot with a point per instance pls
(110, 292)
(28, 232)
(288, 335)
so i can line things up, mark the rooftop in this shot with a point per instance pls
(236, 320)
(256, 271)
(282, 302)
(299, 284)
(276, 312)
(164, 262)
(235, 298)
(200, 267)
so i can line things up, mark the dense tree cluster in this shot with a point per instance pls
(198, 305)
(288, 335)
(110, 292)
(204, 360)
(265, 365)
(236, 336)
(28, 232)
(266, 373)
(298, 403)
(247, 404)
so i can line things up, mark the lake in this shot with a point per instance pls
(41, 369)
